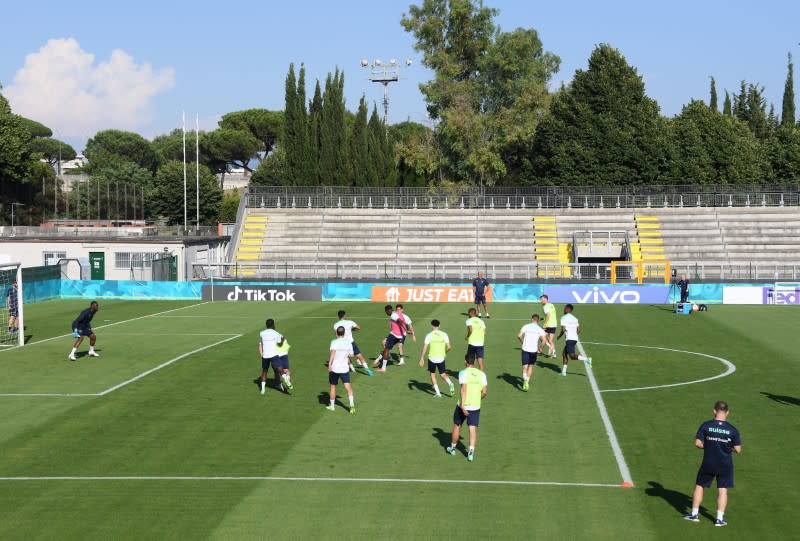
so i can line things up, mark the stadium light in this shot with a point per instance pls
(384, 74)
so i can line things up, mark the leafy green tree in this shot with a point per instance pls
(417, 157)
(52, 150)
(602, 129)
(109, 147)
(788, 111)
(334, 161)
(713, 148)
(750, 106)
(166, 200)
(726, 107)
(489, 88)
(273, 171)
(381, 155)
(229, 206)
(262, 124)
(784, 150)
(15, 156)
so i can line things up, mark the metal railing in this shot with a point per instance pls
(461, 272)
(525, 197)
(107, 232)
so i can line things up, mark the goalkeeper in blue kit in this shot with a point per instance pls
(82, 327)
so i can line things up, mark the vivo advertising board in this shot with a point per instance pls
(261, 293)
(618, 294)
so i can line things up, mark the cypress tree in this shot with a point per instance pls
(360, 156)
(713, 101)
(290, 128)
(327, 159)
(305, 167)
(726, 106)
(788, 111)
(315, 115)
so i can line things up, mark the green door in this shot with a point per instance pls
(97, 263)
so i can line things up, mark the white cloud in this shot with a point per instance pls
(62, 86)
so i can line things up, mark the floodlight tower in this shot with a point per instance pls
(384, 74)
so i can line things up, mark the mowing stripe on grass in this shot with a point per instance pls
(313, 479)
(109, 325)
(612, 436)
(165, 364)
(730, 368)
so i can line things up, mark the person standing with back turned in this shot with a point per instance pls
(719, 440)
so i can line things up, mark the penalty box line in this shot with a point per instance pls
(624, 472)
(42, 341)
(134, 378)
(387, 480)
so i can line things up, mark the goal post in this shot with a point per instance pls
(637, 271)
(12, 317)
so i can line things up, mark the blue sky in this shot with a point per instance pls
(209, 58)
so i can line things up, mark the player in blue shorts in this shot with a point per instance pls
(82, 327)
(719, 440)
(473, 390)
(339, 368)
(530, 336)
(480, 286)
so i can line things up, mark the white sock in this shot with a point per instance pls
(524, 376)
(471, 449)
(695, 511)
(436, 388)
(378, 358)
(402, 359)
(720, 514)
(352, 400)
(383, 364)
(564, 369)
(263, 385)
(91, 349)
(73, 351)
(331, 401)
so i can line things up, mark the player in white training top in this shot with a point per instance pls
(349, 327)
(339, 368)
(571, 328)
(531, 336)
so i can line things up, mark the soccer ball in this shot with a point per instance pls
(695, 308)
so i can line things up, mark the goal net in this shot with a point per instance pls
(12, 328)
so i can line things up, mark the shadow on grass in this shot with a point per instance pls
(514, 381)
(549, 366)
(782, 399)
(682, 503)
(443, 437)
(324, 399)
(417, 385)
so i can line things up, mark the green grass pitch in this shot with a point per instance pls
(165, 436)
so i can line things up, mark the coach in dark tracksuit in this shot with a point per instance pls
(719, 440)
(683, 284)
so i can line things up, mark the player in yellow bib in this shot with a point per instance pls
(473, 390)
(550, 324)
(437, 344)
(476, 336)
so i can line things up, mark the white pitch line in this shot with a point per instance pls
(612, 435)
(165, 364)
(106, 326)
(168, 334)
(730, 368)
(71, 395)
(315, 479)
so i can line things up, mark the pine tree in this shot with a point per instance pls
(713, 100)
(788, 111)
